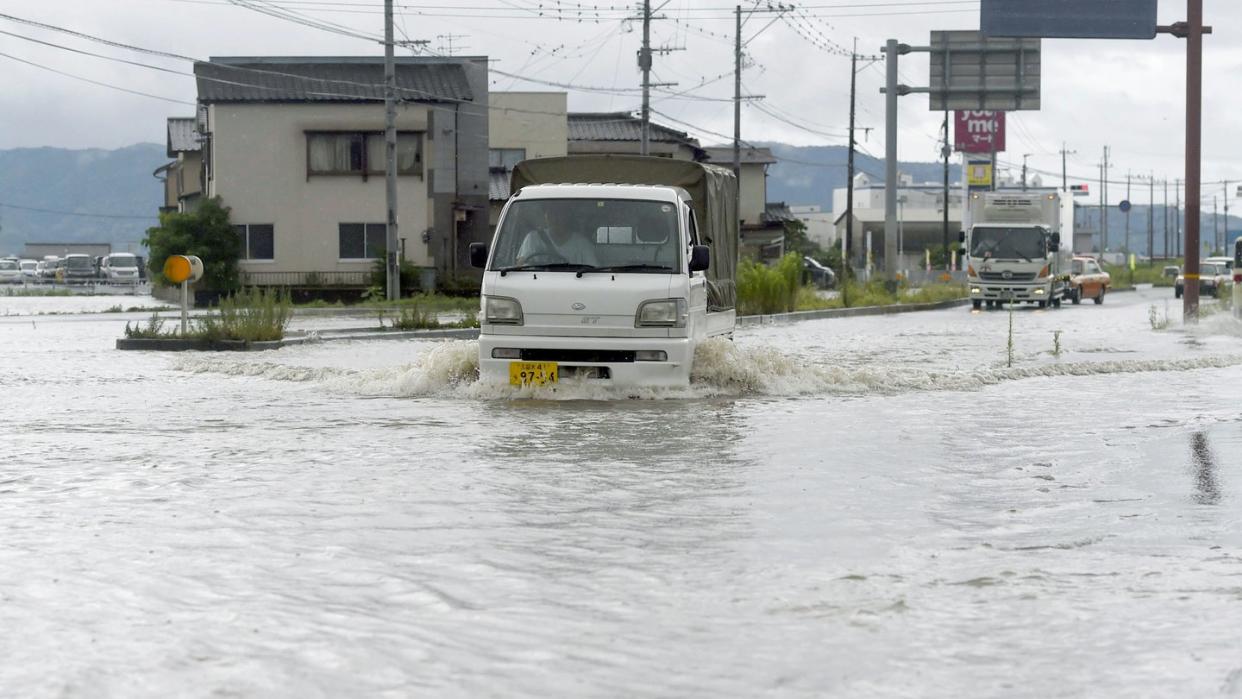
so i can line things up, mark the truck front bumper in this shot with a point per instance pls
(605, 361)
(992, 291)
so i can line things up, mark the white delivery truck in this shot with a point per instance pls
(608, 269)
(1013, 248)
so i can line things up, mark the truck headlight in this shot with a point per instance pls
(662, 313)
(502, 310)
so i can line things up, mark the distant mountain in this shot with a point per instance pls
(104, 186)
(808, 174)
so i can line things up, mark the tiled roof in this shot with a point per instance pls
(723, 155)
(182, 136)
(621, 126)
(498, 185)
(328, 79)
(777, 211)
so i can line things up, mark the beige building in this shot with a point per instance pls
(183, 177)
(920, 218)
(763, 230)
(295, 148)
(522, 125)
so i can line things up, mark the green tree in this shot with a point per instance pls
(205, 233)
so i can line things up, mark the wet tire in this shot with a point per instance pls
(1177, 293)
(1100, 299)
(1043, 304)
(1076, 298)
(976, 304)
(1056, 303)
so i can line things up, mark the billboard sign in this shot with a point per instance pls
(979, 175)
(969, 71)
(1069, 19)
(979, 132)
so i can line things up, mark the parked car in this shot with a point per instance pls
(1170, 271)
(76, 268)
(10, 271)
(119, 267)
(30, 270)
(47, 268)
(815, 272)
(1212, 276)
(1088, 281)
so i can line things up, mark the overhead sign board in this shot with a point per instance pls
(979, 132)
(1069, 19)
(969, 72)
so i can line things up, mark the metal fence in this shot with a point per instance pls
(309, 280)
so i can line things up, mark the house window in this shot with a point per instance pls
(362, 241)
(258, 240)
(360, 153)
(505, 158)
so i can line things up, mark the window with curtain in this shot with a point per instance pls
(361, 153)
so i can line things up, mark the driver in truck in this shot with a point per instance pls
(561, 239)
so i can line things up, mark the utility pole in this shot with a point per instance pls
(849, 182)
(946, 151)
(390, 158)
(1177, 214)
(1165, 210)
(1064, 179)
(1103, 232)
(1224, 241)
(891, 51)
(1129, 249)
(1215, 225)
(644, 63)
(737, 102)
(1104, 187)
(1194, 155)
(1025, 156)
(1151, 221)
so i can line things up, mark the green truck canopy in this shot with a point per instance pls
(712, 190)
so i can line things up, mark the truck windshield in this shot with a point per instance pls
(582, 234)
(1007, 243)
(123, 261)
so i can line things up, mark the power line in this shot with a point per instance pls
(83, 214)
(97, 82)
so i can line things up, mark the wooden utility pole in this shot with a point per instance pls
(390, 158)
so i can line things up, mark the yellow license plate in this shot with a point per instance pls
(532, 373)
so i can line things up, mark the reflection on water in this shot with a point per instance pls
(1207, 490)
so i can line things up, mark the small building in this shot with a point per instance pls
(820, 226)
(920, 218)
(522, 125)
(183, 177)
(762, 222)
(38, 251)
(294, 146)
(620, 133)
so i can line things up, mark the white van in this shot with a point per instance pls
(119, 267)
(614, 283)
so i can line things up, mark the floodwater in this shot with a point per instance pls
(862, 507)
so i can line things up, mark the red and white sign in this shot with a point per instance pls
(979, 132)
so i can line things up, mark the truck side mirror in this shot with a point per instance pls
(700, 258)
(961, 236)
(478, 255)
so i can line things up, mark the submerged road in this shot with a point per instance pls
(857, 507)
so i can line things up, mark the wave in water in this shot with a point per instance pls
(721, 368)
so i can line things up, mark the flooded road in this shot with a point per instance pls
(855, 507)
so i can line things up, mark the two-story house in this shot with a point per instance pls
(183, 177)
(294, 146)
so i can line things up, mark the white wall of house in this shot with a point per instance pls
(819, 224)
(535, 121)
(259, 169)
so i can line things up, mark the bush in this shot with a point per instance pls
(255, 315)
(205, 233)
(764, 289)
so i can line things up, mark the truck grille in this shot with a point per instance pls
(1013, 277)
(578, 355)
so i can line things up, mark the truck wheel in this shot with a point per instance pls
(1043, 304)
(1056, 303)
(1100, 299)
(1177, 293)
(976, 304)
(1076, 298)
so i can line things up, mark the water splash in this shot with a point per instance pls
(450, 369)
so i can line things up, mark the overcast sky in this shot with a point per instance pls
(1129, 94)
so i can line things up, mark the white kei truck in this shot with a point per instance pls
(1013, 250)
(607, 270)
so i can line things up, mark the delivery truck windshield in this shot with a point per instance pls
(1000, 243)
(589, 234)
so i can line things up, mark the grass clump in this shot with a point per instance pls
(769, 289)
(879, 293)
(34, 291)
(421, 312)
(253, 315)
(154, 328)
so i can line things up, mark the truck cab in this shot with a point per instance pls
(606, 283)
(1013, 250)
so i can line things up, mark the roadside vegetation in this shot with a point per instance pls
(763, 289)
(248, 315)
(1143, 274)
(205, 232)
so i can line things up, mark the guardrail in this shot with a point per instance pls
(309, 280)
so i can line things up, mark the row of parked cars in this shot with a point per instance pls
(119, 268)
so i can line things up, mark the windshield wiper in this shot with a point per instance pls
(635, 268)
(546, 266)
